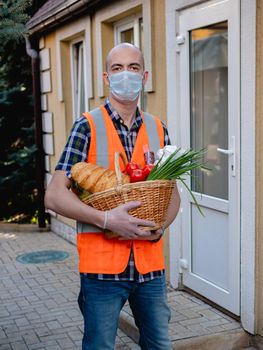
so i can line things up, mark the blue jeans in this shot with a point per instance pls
(101, 302)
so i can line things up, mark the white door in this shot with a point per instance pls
(209, 98)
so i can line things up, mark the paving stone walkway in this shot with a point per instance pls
(192, 317)
(38, 303)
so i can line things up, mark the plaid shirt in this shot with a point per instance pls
(76, 150)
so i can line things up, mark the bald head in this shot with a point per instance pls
(124, 49)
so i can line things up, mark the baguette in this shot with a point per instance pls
(94, 178)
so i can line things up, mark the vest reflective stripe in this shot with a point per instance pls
(101, 137)
(151, 128)
(102, 158)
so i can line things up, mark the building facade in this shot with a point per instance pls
(204, 59)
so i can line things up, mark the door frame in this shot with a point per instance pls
(247, 154)
(229, 295)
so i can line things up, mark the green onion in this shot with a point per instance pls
(179, 164)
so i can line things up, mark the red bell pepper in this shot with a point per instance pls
(131, 166)
(137, 175)
(147, 169)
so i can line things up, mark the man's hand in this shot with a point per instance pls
(127, 226)
(152, 236)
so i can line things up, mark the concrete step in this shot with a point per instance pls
(194, 325)
(257, 342)
(229, 340)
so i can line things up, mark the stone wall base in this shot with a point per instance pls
(63, 230)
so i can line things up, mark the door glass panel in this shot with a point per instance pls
(209, 106)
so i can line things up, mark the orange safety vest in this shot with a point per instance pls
(98, 254)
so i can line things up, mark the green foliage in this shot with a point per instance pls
(13, 19)
(15, 66)
(17, 151)
(17, 154)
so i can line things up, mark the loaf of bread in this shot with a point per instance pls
(94, 178)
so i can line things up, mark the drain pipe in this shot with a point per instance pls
(40, 160)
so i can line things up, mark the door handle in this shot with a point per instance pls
(230, 152)
(225, 151)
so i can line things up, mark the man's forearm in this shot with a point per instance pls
(64, 202)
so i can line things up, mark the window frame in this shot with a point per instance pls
(107, 16)
(65, 35)
(131, 22)
(75, 78)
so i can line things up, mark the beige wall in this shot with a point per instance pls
(57, 107)
(156, 101)
(54, 106)
(259, 169)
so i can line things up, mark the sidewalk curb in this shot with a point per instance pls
(229, 340)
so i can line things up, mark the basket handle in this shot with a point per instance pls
(117, 166)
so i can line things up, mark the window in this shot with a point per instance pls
(130, 30)
(109, 30)
(77, 74)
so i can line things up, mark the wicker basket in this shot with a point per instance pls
(154, 197)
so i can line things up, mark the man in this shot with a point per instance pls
(130, 267)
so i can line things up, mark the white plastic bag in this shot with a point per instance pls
(164, 153)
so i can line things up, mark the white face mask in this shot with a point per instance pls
(126, 86)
